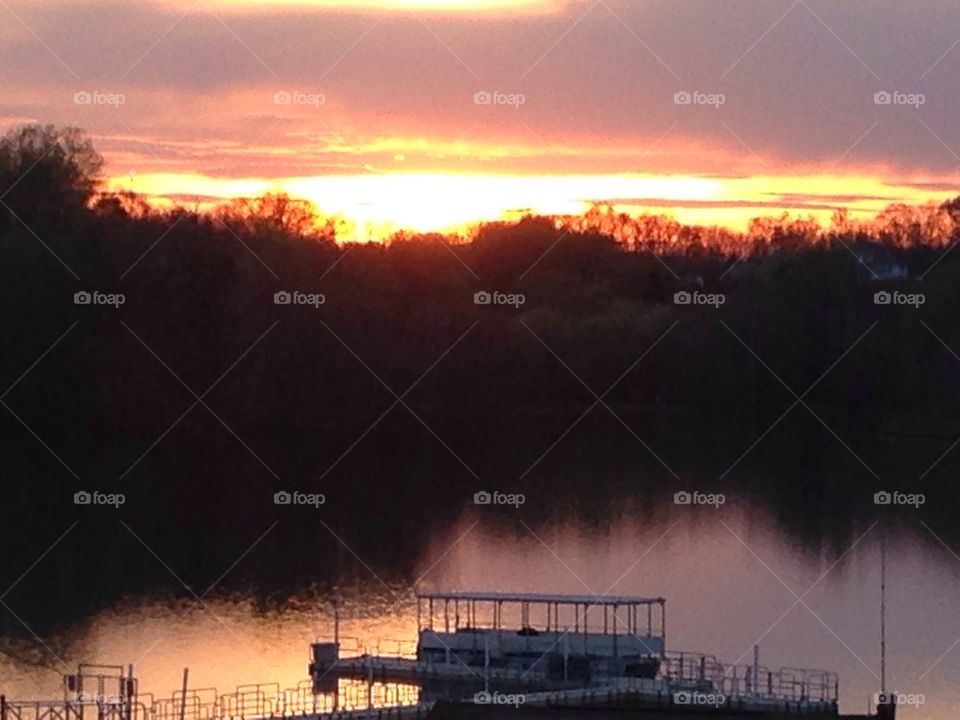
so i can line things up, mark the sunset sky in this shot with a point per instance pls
(428, 114)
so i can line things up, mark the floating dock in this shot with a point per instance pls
(516, 656)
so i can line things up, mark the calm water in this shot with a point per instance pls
(727, 575)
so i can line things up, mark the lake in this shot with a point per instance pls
(730, 576)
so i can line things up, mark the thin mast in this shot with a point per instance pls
(883, 611)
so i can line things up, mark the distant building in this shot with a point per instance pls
(878, 262)
(692, 282)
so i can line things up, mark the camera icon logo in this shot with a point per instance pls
(482, 498)
(282, 97)
(482, 298)
(482, 98)
(683, 98)
(682, 698)
(82, 298)
(682, 498)
(682, 298)
(482, 698)
(882, 98)
(282, 297)
(882, 498)
(82, 498)
(882, 298)
(82, 97)
(282, 498)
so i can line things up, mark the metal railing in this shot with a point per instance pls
(691, 668)
(699, 671)
(387, 647)
(247, 702)
(394, 648)
(65, 710)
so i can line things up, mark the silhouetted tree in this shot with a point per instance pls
(599, 291)
(47, 171)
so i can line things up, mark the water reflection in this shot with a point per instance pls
(730, 578)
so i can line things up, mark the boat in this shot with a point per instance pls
(561, 636)
(472, 642)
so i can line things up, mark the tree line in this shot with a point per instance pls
(200, 396)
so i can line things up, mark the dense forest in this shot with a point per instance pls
(200, 361)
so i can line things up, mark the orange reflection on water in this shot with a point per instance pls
(725, 574)
(225, 642)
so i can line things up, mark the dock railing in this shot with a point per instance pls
(702, 672)
(247, 702)
(394, 648)
(691, 668)
(65, 710)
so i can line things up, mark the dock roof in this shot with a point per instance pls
(487, 596)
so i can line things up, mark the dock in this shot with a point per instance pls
(489, 655)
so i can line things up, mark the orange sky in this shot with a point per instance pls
(381, 204)
(432, 114)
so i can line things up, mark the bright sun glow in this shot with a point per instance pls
(467, 6)
(381, 204)
(378, 205)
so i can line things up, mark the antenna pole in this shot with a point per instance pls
(883, 611)
(183, 698)
(755, 675)
(486, 663)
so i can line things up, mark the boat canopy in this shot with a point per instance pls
(553, 599)
(459, 611)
